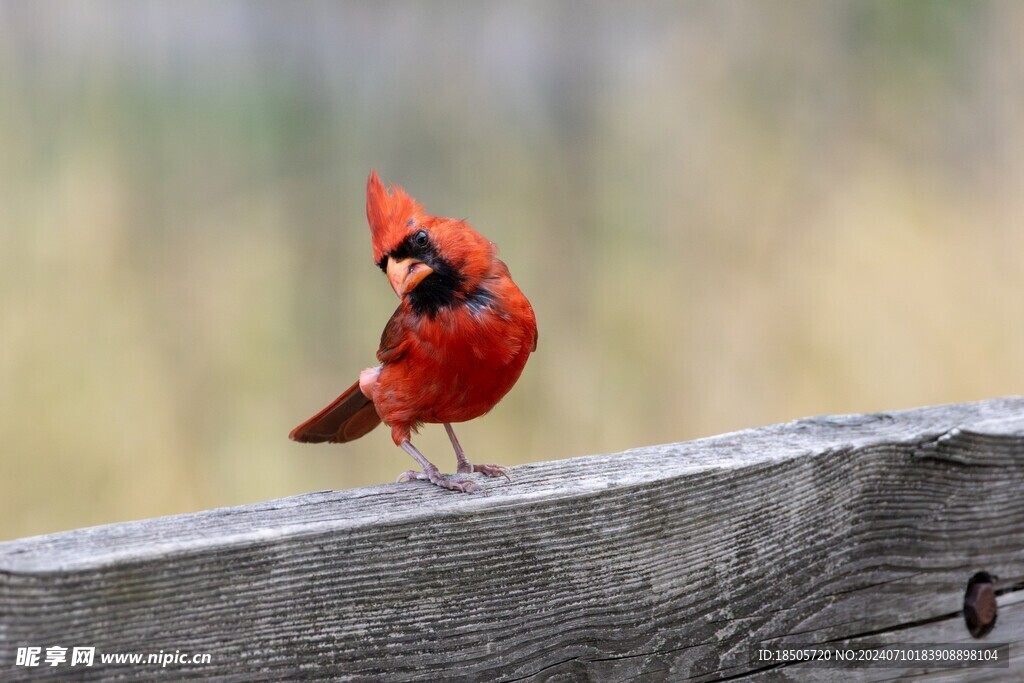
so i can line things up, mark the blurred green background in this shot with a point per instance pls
(726, 214)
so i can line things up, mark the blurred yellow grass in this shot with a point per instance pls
(725, 214)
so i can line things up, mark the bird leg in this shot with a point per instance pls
(432, 474)
(465, 466)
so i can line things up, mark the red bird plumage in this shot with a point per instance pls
(455, 345)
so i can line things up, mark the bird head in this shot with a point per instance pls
(430, 260)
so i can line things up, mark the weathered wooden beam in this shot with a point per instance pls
(673, 562)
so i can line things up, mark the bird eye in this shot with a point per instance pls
(420, 238)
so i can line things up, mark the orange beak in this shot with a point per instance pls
(404, 275)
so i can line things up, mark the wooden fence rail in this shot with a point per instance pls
(675, 562)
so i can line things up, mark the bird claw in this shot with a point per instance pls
(486, 470)
(409, 475)
(438, 479)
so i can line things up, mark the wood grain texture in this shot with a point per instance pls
(673, 562)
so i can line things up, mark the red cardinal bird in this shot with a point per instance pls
(455, 345)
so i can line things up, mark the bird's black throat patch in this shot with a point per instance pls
(437, 290)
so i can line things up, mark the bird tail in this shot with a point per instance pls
(347, 418)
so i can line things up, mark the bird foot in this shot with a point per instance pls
(435, 477)
(486, 470)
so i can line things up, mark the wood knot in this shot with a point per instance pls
(980, 610)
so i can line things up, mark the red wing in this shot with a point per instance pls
(395, 339)
(352, 414)
(347, 418)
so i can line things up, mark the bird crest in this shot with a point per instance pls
(391, 213)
